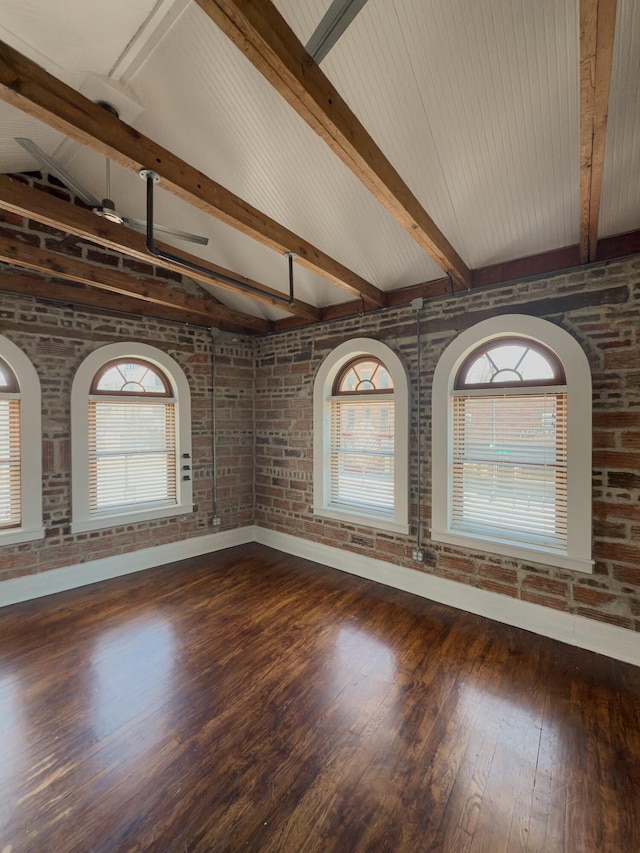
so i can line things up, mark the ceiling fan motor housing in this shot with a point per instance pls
(108, 211)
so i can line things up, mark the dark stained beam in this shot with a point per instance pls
(16, 197)
(545, 263)
(90, 297)
(56, 265)
(597, 26)
(265, 38)
(610, 248)
(30, 88)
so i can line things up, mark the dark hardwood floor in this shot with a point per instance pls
(252, 701)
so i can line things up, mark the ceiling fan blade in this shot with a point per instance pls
(60, 172)
(141, 225)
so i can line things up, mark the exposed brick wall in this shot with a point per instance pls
(600, 308)
(57, 338)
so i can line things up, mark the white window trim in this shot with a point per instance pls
(82, 521)
(30, 446)
(578, 375)
(322, 392)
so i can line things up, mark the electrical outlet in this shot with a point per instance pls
(417, 555)
(216, 521)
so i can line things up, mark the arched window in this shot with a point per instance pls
(361, 436)
(513, 411)
(20, 448)
(131, 440)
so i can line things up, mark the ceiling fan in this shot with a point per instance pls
(105, 208)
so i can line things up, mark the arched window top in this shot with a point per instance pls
(131, 377)
(8, 381)
(130, 437)
(511, 465)
(508, 362)
(363, 375)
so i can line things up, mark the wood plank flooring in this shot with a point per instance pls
(253, 701)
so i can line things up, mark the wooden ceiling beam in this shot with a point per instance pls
(597, 27)
(30, 88)
(268, 42)
(56, 265)
(90, 297)
(18, 198)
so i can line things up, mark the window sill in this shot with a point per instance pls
(531, 554)
(363, 519)
(120, 519)
(16, 535)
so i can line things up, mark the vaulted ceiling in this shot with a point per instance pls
(437, 143)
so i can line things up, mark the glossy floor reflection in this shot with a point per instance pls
(253, 701)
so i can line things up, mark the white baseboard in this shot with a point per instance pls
(578, 631)
(59, 580)
(608, 640)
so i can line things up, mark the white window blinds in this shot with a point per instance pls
(132, 454)
(362, 459)
(510, 467)
(10, 480)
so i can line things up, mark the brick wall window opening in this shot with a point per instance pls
(361, 436)
(131, 438)
(10, 453)
(20, 448)
(512, 443)
(509, 473)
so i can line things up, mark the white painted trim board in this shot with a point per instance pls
(589, 634)
(15, 590)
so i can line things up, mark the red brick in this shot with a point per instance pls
(498, 573)
(617, 460)
(594, 597)
(494, 586)
(617, 551)
(544, 600)
(11, 218)
(604, 440)
(613, 510)
(627, 574)
(630, 439)
(548, 585)
(459, 564)
(616, 419)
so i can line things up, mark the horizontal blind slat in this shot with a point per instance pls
(509, 467)
(361, 467)
(10, 464)
(132, 454)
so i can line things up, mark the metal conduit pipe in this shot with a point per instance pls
(215, 521)
(152, 178)
(418, 551)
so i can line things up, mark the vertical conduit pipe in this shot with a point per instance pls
(417, 304)
(214, 431)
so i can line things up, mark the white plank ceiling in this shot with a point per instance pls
(475, 104)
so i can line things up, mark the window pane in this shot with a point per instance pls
(481, 371)
(509, 467)
(362, 454)
(10, 474)
(368, 374)
(132, 453)
(131, 377)
(509, 363)
(535, 366)
(366, 369)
